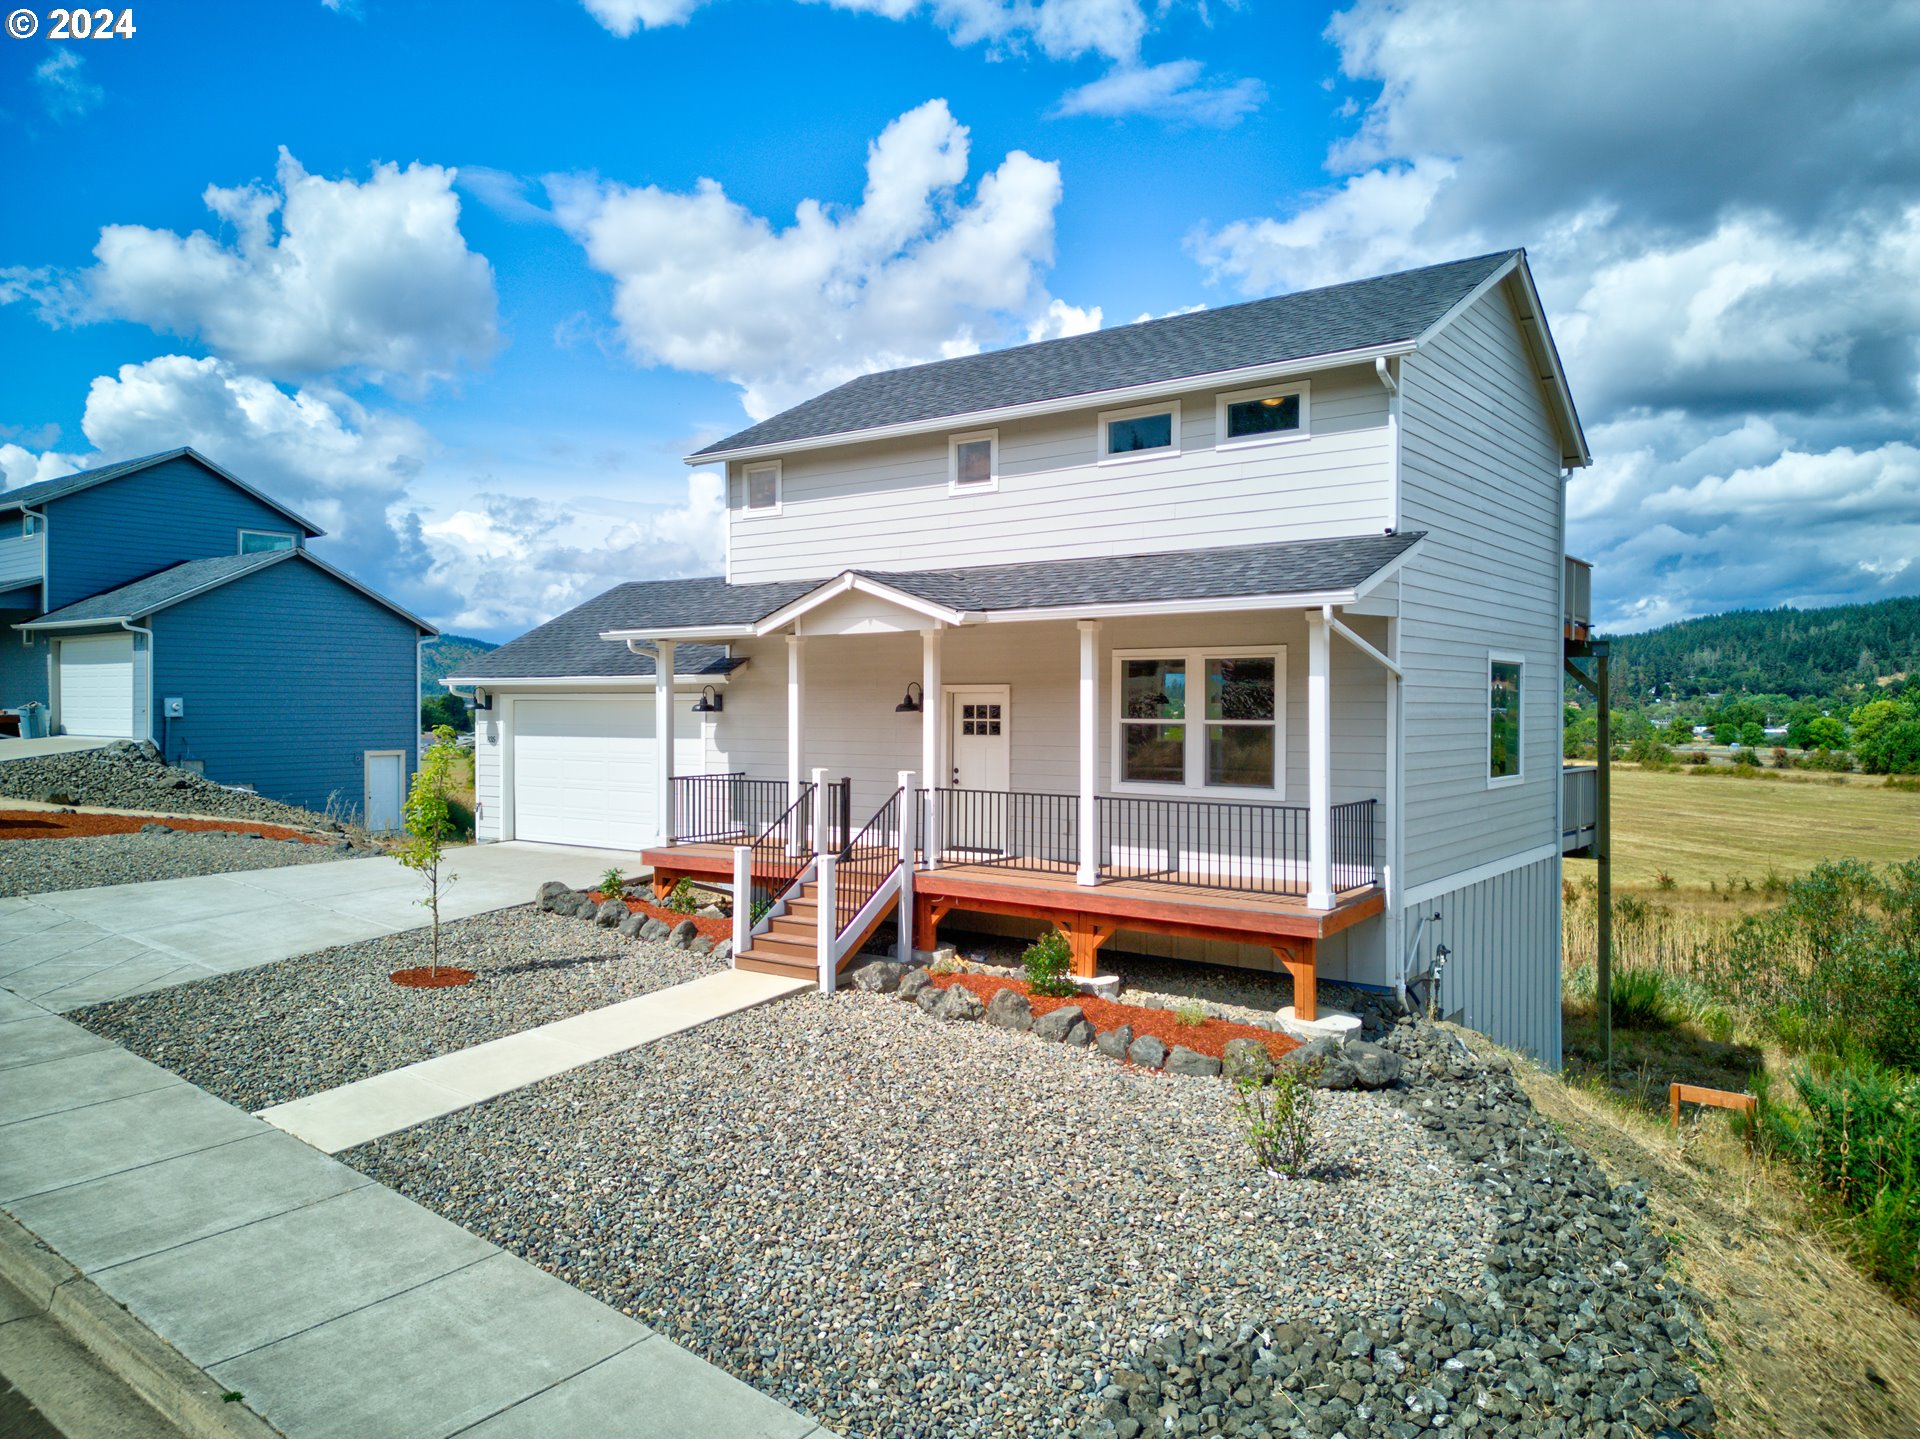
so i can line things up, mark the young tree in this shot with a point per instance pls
(430, 824)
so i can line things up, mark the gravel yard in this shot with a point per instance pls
(907, 1227)
(130, 775)
(35, 867)
(277, 1032)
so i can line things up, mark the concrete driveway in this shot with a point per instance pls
(12, 748)
(78, 947)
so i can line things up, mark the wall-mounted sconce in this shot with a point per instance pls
(710, 702)
(912, 704)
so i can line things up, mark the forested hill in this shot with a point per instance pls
(444, 656)
(1772, 652)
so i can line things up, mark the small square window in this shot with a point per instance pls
(763, 487)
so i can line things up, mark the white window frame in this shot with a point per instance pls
(747, 507)
(1301, 388)
(1519, 776)
(1128, 457)
(240, 541)
(31, 524)
(1195, 754)
(955, 486)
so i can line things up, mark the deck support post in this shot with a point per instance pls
(928, 912)
(909, 843)
(1085, 936)
(742, 899)
(1299, 959)
(823, 892)
(933, 715)
(796, 713)
(1089, 871)
(822, 815)
(1319, 760)
(663, 736)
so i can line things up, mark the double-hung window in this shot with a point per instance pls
(760, 485)
(1261, 417)
(1504, 734)
(1201, 720)
(1142, 433)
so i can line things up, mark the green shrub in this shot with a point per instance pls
(1049, 965)
(1278, 1115)
(1642, 1000)
(681, 899)
(1190, 1012)
(613, 885)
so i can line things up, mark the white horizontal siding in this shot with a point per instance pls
(887, 504)
(1481, 474)
(488, 733)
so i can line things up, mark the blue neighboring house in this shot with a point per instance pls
(165, 599)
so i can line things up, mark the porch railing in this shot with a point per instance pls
(724, 808)
(1014, 829)
(1353, 829)
(865, 863)
(1212, 844)
(782, 852)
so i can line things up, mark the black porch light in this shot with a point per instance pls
(911, 705)
(710, 702)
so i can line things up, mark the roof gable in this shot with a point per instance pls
(43, 492)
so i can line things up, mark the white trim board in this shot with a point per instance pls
(1460, 879)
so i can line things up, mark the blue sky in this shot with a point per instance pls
(476, 276)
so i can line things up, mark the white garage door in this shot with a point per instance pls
(583, 768)
(96, 685)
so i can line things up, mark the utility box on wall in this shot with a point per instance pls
(174, 707)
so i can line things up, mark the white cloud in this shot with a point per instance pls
(65, 90)
(1061, 29)
(372, 277)
(1060, 319)
(21, 466)
(914, 272)
(1171, 91)
(1731, 265)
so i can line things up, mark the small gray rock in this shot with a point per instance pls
(550, 891)
(1010, 1010)
(959, 1003)
(1055, 1024)
(711, 912)
(633, 925)
(610, 913)
(929, 997)
(878, 978)
(1191, 1062)
(701, 945)
(1114, 1043)
(913, 982)
(1373, 1067)
(654, 929)
(681, 936)
(1245, 1059)
(723, 950)
(1080, 1034)
(1148, 1052)
(154, 827)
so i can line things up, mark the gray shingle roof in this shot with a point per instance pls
(1386, 310)
(180, 582)
(570, 645)
(42, 491)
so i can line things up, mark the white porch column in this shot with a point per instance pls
(903, 908)
(742, 899)
(1319, 762)
(796, 711)
(663, 735)
(933, 716)
(1089, 872)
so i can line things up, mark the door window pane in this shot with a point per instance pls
(1154, 754)
(1269, 415)
(1142, 432)
(1503, 727)
(1240, 689)
(1240, 755)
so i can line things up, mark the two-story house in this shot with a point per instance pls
(1232, 636)
(165, 599)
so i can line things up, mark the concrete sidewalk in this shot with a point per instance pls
(331, 1304)
(69, 948)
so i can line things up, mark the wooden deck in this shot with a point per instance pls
(1092, 914)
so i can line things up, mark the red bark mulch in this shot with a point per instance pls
(1208, 1038)
(713, 929)
(425, 977)
(53, 825)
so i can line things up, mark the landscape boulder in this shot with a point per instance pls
(711, 912)
(1191, 1062)
(1374, 1068)
(929, 997)
(701, 945)
(550, 891)
(154, 827)
(1055, 1024)
(1147, 1051)
(1114, 1043)
(1322, 1064)
(681, 936)
(1010, 1010)
(1245, 1059)
(877, 978)
(610, 913)
(633, 924)
(654, 929)
(913, 982)
(959, 1003)
(723, 949)
(1080, 1034)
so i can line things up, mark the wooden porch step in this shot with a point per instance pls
(773, 947)
(788, 970)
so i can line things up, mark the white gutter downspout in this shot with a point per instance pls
(133, 629)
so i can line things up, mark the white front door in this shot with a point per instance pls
(386, 791)
(96, 685)
(979, 738)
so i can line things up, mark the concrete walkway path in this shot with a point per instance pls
(69, 948)
(349, 1115)
(12, 747)
(331, 1304)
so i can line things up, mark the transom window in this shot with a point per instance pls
(974, 460)
(1234, 742)
(1503, 719)
(252, 542)
(1258, 417)
(1138, 433)
(762, 483)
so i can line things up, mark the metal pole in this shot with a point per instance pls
(1603, 854)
